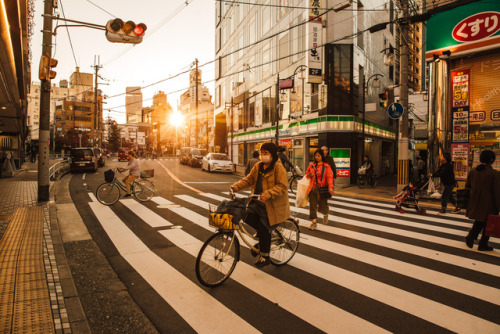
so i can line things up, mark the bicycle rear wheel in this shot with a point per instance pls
(217, 259)
(293, 183)
(107, 193)
(284, 242)
(143, 190)
(374, 181)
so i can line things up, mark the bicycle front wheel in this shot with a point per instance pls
(362, 181)
(293, 184)
(284, 242)
(217, 259)
(107, 193)
(143, 190)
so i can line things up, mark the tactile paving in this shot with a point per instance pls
(24, 294)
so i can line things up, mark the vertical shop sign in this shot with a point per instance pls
(314, 10)
(342, 158)
(460, 88)
(313, 55)
(459, 155)
(460, 125)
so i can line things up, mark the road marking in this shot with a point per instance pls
(475, 265)
(410, 270)
(161, 200)
(314, 310)
(206, 315)
(176, 179)
(411, 303)
(150, 217)
(207, 182)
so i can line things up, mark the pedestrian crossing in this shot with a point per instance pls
(371, 269)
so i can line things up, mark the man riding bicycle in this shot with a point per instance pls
(134, 171)
(268, 179)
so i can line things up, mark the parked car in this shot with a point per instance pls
(122, 154)
(217, 162)
(196, 156)
(184, 155)
(83, 159)
(101, 158)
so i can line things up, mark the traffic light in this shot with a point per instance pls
(383, 99)
(119, 32)
(44, 70)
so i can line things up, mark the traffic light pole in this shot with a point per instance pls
(403, 165)
(97, 118)
(44, 126)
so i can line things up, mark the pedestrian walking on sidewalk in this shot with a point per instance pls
(484, 184)
(134, 171)
(321, 175)
(447, 175)
(252, 162)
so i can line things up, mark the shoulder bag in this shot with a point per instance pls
(493, 226)
(323, 191)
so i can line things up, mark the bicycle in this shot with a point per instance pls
(294, 179)
(365, 180)
(108, 193)
(220, 253)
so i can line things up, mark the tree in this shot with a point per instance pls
(114, 139)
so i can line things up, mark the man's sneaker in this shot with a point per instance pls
(457, 210)
(127, 195)
(442, 212)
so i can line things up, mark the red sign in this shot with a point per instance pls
(477, 27)
(343, 172)
(286, 84)
(460, 88)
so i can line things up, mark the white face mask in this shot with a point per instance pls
(266, 158)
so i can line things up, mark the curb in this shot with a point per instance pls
(76, 315)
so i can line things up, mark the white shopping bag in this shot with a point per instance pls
(432, 187)
(301, 200)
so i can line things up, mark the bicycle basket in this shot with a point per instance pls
(147, 173)
(109, 175)
(220, 220)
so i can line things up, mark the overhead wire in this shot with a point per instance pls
(69, 36)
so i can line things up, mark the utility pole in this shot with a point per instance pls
(403, 165)
(277, 135)
(97, 118)
(196, 105)
(232, 128)
(44, 128)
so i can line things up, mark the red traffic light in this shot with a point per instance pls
(140, 29)
(45, 68)
(119, 32)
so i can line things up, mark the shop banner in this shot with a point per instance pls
(460, 88)
(460, 125)
(314, 10)
(464, 29)
(313, 56)
(459, 155)
(342, 158)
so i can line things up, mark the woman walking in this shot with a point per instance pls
(447, 175)
(484, 184)
(321, 175)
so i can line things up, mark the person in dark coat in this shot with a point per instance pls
(284, 159)
(252, 162)
(484, 184)
(329, 160)
(447, 174)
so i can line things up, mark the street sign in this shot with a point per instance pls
(395, 110)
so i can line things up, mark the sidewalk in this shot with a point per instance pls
(32, 262)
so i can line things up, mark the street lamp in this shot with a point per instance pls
(375, 84)
(302, 69)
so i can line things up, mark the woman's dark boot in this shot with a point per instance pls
(483, 244)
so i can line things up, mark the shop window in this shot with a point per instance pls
(251, 111)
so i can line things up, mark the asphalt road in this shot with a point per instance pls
(371, 269)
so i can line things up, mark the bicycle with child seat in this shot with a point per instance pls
(220, 253)
(109, 192)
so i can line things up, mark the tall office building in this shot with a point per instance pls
(133, 104)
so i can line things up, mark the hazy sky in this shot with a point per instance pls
(171, 44)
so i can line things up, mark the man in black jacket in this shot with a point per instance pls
(329, 160)
(284, 159)
(447, 174)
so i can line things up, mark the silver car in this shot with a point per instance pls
(217, 162)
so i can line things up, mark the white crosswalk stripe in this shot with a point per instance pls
(349, 219)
